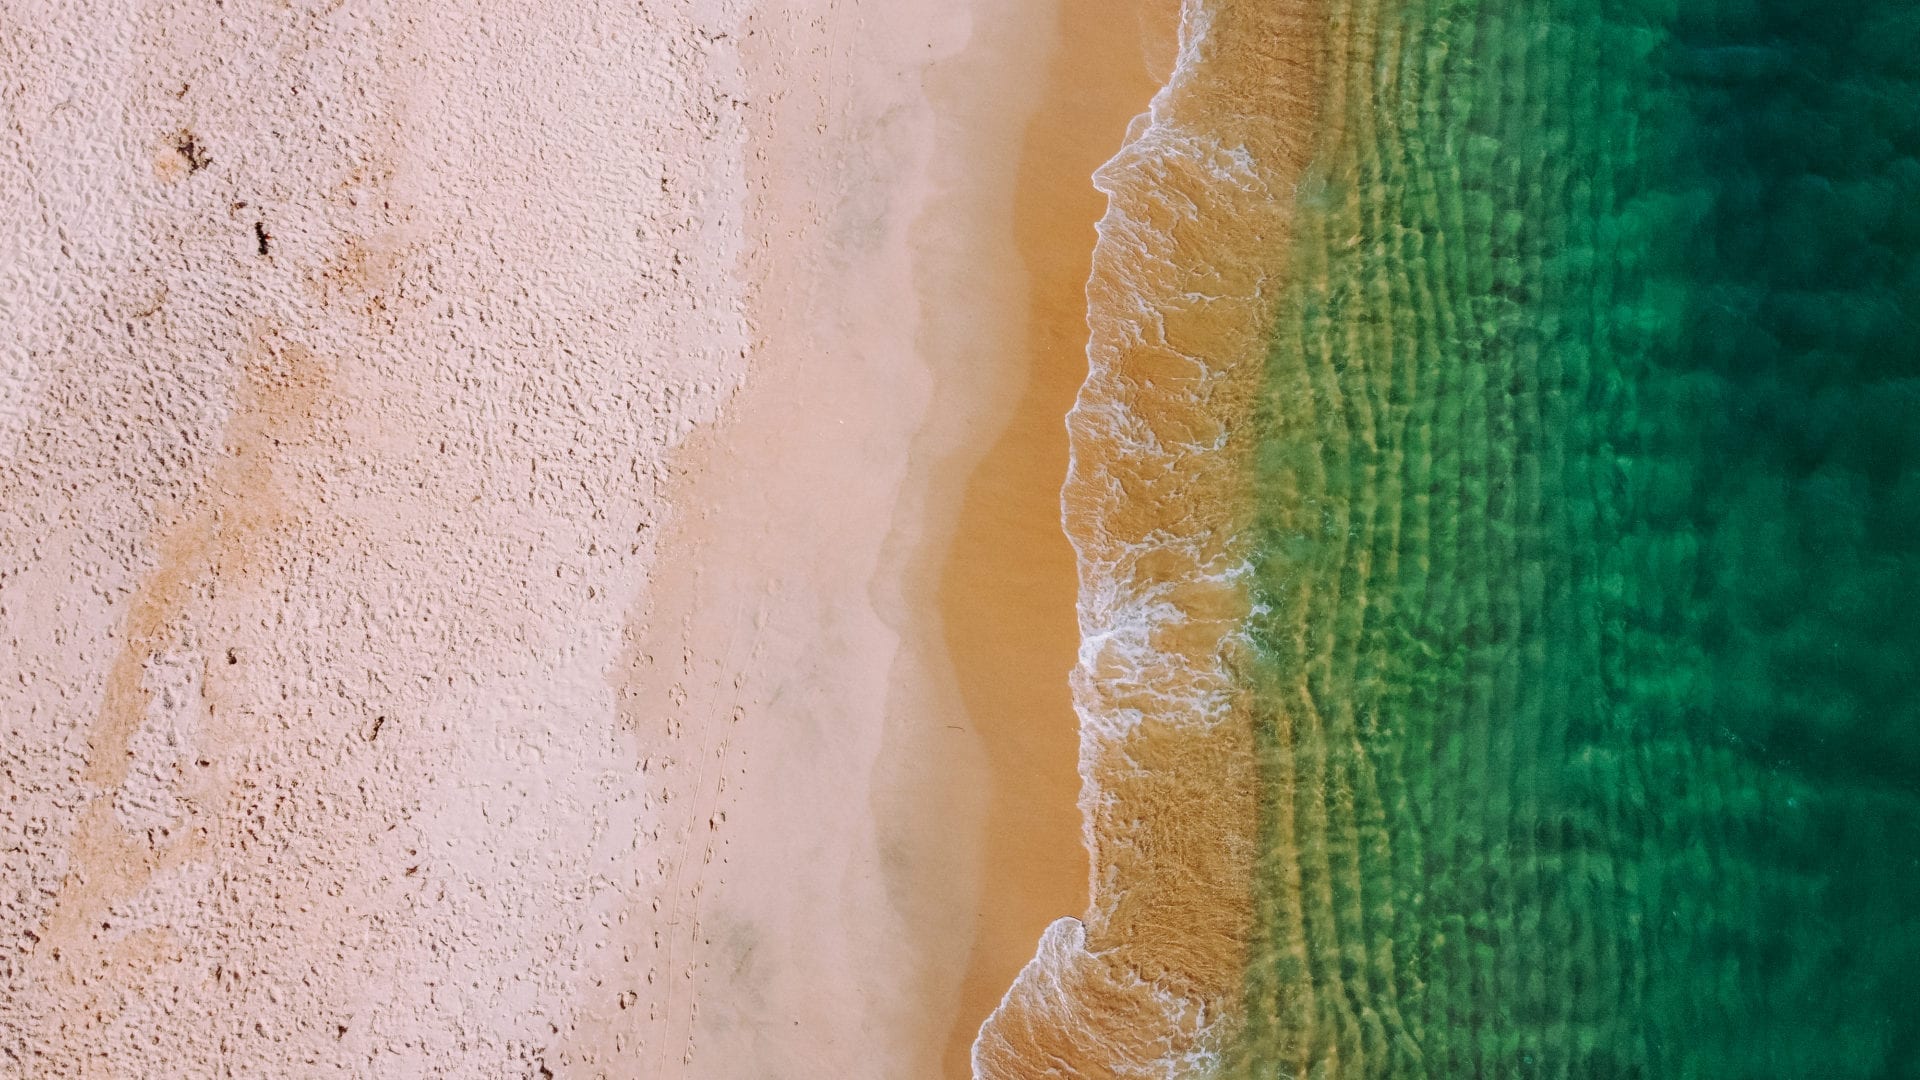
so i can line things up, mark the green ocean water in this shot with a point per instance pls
(1588, 559)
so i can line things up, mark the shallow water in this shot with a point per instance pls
(1588, 477)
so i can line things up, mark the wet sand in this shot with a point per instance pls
(869, 580)
(1007, 589)
(1180, 309)
(831, 852)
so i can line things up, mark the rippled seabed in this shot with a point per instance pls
(1588, 488)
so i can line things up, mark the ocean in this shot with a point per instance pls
(1497, 489)
(1587, 553)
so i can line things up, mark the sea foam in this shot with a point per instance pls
(1180, 301)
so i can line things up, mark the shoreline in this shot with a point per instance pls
(669, 678)
(1178, 309)
(1008, 587)
(826, 887)
(942, 563)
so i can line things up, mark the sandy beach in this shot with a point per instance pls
(906, 657)
(1008, 584)
(531, 540)
(352, 344)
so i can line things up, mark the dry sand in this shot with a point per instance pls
(348, 345)
(528, 535)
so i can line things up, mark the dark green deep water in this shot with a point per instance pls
(1589, 550)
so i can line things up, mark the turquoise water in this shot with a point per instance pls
(1589, 550)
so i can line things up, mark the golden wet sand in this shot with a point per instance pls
(1007, 590)
(1191, 252)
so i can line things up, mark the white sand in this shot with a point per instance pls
(399, 674)
(315, 561)
(823, 902)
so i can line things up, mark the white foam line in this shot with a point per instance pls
(1106, 587)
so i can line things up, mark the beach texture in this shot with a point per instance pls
(346, 351)
(716, 539)
(475, 484)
